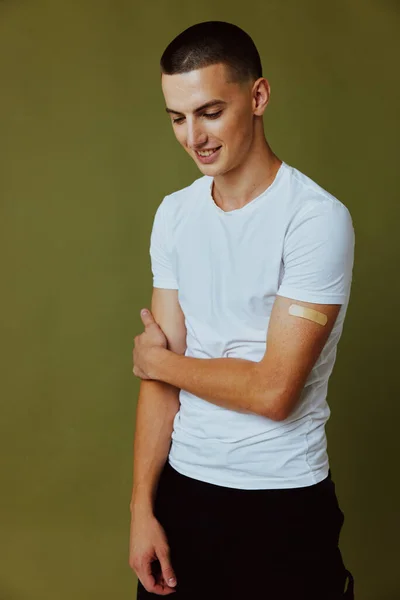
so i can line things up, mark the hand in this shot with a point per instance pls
(144, 343)
(148, 543)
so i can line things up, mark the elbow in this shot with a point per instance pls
(271, 410)
(277, 414)
(279, 395)
(278, 406)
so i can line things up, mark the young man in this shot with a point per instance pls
(252, 267)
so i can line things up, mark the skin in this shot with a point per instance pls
(246, 165)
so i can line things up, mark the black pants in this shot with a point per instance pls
(231, 544)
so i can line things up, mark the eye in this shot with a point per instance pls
(212, 115)
(208, 115)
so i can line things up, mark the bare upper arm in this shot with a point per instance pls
(168, 314)
(293, 346)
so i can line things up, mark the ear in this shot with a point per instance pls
(261, 95)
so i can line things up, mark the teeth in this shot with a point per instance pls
(206, 153)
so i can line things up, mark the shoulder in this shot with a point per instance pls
(309, 199)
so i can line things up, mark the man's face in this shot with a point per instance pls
(227, 125)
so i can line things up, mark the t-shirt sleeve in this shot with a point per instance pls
(318, 254)
(160, 252)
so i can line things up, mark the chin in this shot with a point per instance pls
(211, 169)
(207, 170)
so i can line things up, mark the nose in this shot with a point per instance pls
(195, 136)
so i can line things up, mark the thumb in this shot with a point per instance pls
(166, 568)
(147, 317)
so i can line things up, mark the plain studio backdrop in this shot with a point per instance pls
(87, 153)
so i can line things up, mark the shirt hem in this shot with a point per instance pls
(305, 296)
(253, 484)
(166, 285)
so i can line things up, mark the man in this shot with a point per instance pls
(252, 267)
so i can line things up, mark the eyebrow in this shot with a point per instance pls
(199, 108)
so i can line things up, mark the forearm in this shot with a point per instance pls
(157, 406)
(232, 383)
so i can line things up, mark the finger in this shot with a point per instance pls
(166, 567)
(161, 581)
(139, 373)
(147, 578)
(152, 583)
(159, 576)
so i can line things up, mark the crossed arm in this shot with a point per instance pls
(270, 387)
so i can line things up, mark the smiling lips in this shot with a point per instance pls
(207, 152)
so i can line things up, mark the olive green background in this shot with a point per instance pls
(87, 154)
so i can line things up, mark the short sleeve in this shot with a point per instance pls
(318, 254)
(160, 252)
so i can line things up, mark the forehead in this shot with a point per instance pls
(183, 92)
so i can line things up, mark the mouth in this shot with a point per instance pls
(208, 155)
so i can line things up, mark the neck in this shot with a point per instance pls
(239, 186)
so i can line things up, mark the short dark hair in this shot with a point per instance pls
(209, 43)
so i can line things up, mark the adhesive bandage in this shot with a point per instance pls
(307, 313)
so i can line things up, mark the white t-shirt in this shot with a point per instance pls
(295, 240)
